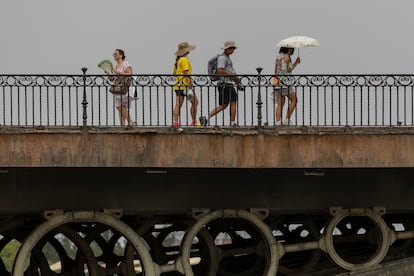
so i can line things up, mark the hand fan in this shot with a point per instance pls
(106, 65)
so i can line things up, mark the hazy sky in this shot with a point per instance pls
(61, 36)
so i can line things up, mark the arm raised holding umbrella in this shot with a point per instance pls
(285, 67)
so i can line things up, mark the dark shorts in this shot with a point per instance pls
(227, 94)
(179, 92)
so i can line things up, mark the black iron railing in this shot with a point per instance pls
(323, 100)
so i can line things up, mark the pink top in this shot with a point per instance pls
(124, 66)
(125, 99)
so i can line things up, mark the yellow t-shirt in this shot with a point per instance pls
(183, 64)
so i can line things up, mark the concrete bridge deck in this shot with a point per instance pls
(280, 147)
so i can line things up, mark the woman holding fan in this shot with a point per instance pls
(122, 68)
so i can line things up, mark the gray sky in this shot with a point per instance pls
(57, 36)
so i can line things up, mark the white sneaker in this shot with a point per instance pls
(278, 123)
(287, 122)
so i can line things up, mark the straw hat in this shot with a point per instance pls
(183, 48)
(229, 44)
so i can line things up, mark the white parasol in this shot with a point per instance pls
(298, 42)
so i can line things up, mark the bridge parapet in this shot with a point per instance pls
(323, 100)
(340, 121)
(282, 147)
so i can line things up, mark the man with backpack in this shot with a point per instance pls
(225, 85)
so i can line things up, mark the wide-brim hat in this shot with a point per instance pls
(229, 44)
(184, 48)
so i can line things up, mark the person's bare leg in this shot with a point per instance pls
(193, 110)
(233, 110)
(121, 117)
(217, 109)
(179, 100)
(125, 114)
(280, 102)
(292, 105)
(128, 117)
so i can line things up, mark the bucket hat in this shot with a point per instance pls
(183, 48)
(229, 44)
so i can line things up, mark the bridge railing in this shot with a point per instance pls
(323, 100)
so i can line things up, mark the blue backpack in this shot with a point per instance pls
(212, 67)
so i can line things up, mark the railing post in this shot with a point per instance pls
(84, 102)
(259, 102)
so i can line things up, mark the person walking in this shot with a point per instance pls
(183, 87)
(225, 85)
(122, 102)
(283, 67)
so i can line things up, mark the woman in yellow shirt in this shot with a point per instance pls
(183, 86)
